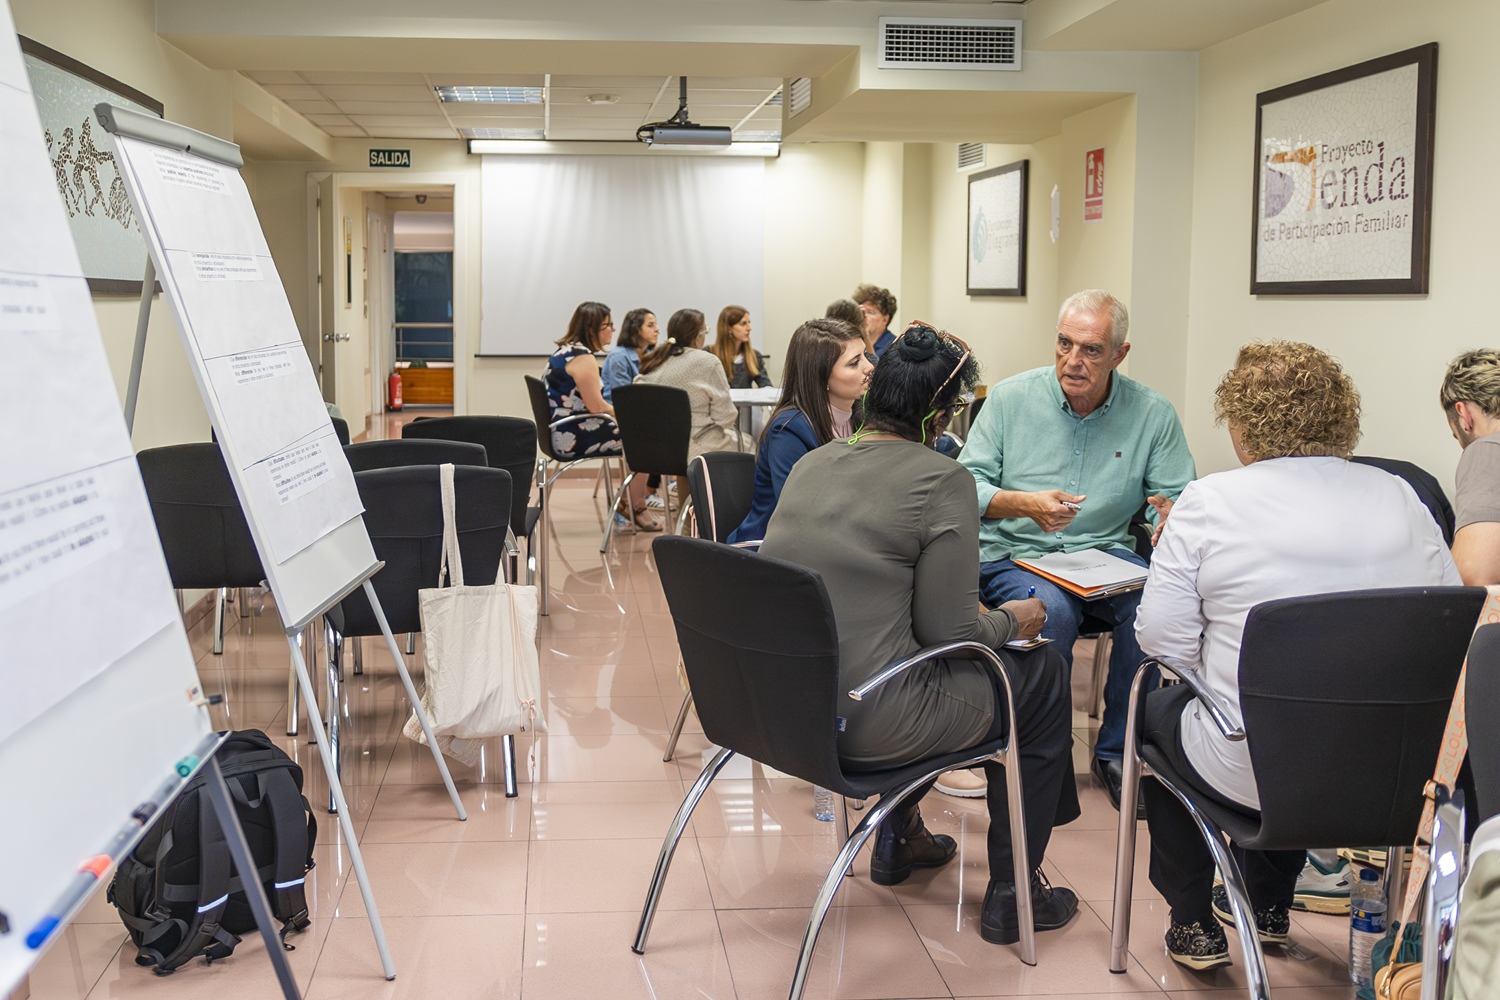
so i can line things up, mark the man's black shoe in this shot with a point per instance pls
(1050, 909)
(895, 857)
(1110, 774)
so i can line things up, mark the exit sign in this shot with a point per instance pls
(390, 158)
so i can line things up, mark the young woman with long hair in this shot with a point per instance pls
(680, 361)
(574, 388)
(825, 374)
(744, 366)
(638, 335)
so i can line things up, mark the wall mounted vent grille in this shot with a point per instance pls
(970, 155)
(949, 43)
(801, 95)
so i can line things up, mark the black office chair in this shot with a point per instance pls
(510, 444)
(397, 454)
(203, 531)
(773, 695)
(1482, 694)
(1422, 482)
(656, 428)
(1357, 684)
(341, 429)
(541, 410)
(404, 518)
(722, 485)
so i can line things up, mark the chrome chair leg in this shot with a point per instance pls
(684, 511)
(609, 515)
(1102, 643)
(292, 690)
(220, 596)
(411, 643)
(687, 703)
(669, 845)
(1130, 785)
(540, 539)
(357, 644)
(333, 648)
(508, 749)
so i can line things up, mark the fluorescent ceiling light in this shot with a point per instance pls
(502, 133)
(490, 95)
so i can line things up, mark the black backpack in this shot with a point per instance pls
(177, 893)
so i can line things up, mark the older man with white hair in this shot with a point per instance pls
(1063, 456)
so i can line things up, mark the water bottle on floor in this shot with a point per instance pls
(822, 804)
(1366, 924)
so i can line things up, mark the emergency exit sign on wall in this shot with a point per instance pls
(390, 158)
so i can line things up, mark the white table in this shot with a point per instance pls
(754, 405)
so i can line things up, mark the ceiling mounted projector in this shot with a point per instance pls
(679, 131)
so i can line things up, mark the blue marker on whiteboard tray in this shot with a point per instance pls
(83, 883)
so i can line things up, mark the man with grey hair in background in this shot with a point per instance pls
(1063, 456)
(1470, 396)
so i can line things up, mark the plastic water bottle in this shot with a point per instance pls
(1366, 924)
(822, 804)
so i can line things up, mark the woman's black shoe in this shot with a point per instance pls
(896, 856)
(1051, 908)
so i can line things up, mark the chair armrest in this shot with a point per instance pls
(1200, 689)
(579, 416)
(754, 543)
(957, 650)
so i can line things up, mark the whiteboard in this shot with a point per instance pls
(246, 354)
(652, 232)
(96, 670)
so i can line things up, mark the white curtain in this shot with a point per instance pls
(664, 233)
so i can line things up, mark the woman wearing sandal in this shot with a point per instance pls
(574, 387)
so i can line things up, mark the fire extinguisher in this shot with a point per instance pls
(393, 391)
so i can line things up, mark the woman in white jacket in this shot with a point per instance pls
(1297, 519)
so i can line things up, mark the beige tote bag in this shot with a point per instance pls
(482, 673)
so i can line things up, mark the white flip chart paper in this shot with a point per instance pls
(263, 399)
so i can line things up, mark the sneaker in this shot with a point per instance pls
(1323, 891)
(896, 857)
(965, 783)
(1198, 947)
(1050, 909)
(655, 502)
(1273, 924)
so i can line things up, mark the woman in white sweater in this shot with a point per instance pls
(680, 361)
(1297, 519)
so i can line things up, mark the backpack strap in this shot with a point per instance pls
(201, 935)
(293, 853)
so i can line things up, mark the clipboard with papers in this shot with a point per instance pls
(1091, 574)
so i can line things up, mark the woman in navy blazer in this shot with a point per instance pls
(826, 372)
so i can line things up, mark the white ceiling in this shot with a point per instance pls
(406, 105)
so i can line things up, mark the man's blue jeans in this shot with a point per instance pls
(1003, 580)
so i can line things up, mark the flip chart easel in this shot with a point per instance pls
(293, 482)
(103, 723)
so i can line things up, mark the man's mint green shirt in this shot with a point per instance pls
(1028, 438)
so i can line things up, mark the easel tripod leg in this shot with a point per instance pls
(255, 892)
(346, 823)
(416, 702)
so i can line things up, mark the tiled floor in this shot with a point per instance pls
(537, 897)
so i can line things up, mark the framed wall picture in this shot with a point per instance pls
(997, 230)
(1343, 180)
(105, 228)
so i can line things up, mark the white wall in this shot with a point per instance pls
(1395, 347)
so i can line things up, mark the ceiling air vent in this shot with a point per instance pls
(801, 96)
(949, 43)
(970, 155)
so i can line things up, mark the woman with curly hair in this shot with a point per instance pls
(1297, 519)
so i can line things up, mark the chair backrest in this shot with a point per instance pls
(656, 427)
(404, 516)
(1345, 698)
(1482, 691)
(369, 455)
(768, 693)
(723, 485)
(341, 429)
(203, 531)
(541, 413)
(509, 443)
(1427, 488)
